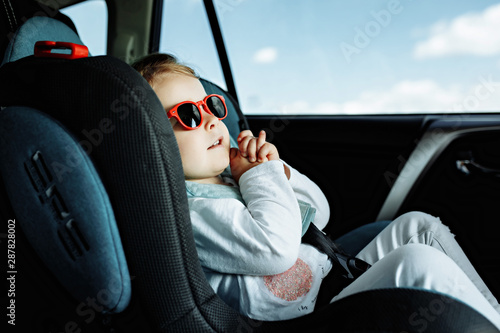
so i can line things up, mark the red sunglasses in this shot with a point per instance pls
(190, 114)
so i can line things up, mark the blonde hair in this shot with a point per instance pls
(154, 66)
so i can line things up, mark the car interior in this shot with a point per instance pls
(92, 180)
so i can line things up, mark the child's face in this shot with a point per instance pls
(201, 160)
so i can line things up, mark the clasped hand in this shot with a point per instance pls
(251, 152)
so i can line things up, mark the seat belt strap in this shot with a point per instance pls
(349, 266)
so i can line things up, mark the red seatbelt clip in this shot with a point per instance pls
(44, 49)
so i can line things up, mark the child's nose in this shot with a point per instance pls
(210, 120)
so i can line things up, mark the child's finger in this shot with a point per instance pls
(244, 134)
(252, 150)
(268, 152)
(261, 139)
(263, 152)
(243, 145)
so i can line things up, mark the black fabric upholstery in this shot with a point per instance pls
(393, 310)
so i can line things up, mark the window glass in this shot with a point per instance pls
(186, 34)
(362, 56)
(91, 21)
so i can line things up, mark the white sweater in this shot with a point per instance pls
(246, 247)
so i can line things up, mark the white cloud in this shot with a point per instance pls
(421, 96)
(265, 55)
(471, 33)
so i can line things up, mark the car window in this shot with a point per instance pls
(352, 57)
(91, 21)
(186, 34)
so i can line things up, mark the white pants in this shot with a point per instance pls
(417, 250)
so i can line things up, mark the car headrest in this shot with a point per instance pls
(62, 207)
(36, 29)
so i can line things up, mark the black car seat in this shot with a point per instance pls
(92, 181)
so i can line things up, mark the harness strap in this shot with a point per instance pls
(345, 270)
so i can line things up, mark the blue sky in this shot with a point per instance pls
(357, 56)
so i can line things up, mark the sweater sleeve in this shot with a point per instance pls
(261, 238)
(306, 190)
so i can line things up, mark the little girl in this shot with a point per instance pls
(248, 219)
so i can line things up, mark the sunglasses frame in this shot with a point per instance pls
(204, 107)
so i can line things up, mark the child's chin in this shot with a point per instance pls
(224, 166)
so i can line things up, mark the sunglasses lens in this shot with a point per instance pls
(189, 115)
(216, 106)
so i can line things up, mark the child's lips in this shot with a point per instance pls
(216, 144)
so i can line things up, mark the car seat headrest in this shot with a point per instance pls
(36, 29)
(62, 207)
